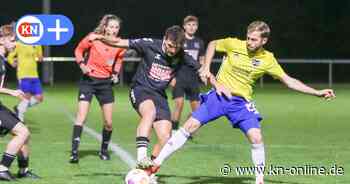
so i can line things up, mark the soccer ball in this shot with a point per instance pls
(137, 176)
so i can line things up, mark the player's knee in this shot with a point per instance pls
(255, 136)
(149, 115)
(22, 131)
(257, 140)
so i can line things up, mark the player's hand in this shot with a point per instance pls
(223, 91)
(115, 79)
(204, 74)
(327, 94)
(85, 69)
(17, 93)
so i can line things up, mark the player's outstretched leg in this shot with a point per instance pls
(175, 142)
(258, 153)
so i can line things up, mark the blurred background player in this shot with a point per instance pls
(100, 64)
(186, 81)
(9, 123)
(24, 58)
(162, 59)
(246, 61)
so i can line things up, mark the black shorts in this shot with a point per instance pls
(190, 90)
(8, 120)
(138, 94)
(101, 88)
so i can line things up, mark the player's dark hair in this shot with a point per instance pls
(175, 34)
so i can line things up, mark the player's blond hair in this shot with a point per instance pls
(260, 26)
(100, 29)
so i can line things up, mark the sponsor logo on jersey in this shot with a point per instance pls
(160, 73)
(157, 57)
(256, 62)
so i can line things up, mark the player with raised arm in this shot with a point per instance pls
(186, 82)
(162, 59)
(231, 97)
(100, 64)
(9, 123)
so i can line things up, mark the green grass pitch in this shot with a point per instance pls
(298, 130)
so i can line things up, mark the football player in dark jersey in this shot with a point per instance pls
(186, 82)
(162, 59)
(9, 123)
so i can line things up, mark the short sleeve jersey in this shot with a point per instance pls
(240, 68)
(157, 68)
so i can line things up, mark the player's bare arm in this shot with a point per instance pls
(205, 69)
(122, 43)
(114, 42)
(16, 93)
(201, 60)
(297, 85)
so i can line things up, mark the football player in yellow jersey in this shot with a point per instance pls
(25, 58)
(246, 61)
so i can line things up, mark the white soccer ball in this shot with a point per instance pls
(137, 176)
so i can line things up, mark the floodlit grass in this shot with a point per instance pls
(299, 131)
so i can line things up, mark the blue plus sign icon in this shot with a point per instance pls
(44, 29)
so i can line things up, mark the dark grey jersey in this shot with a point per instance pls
(195, 48)
(157, 69)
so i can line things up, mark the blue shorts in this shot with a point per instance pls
(241, 113)
(31, 85)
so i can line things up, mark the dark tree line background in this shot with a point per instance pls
(300, 29)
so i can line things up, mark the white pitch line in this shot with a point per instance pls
(117, 150)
